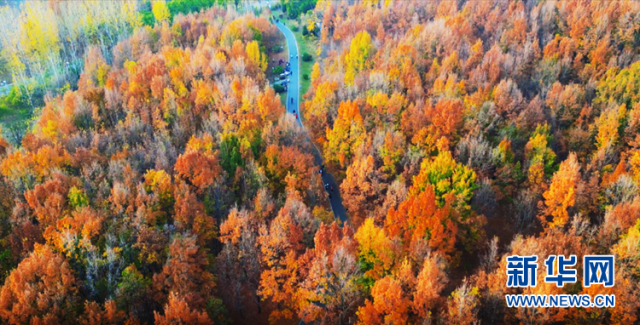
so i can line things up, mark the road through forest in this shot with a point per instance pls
(293, 103)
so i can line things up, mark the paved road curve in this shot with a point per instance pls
(293, 102)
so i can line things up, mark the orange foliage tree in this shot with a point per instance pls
(177, 311)
(562, 192)
(185, 274)
(22, 300)
(420, 218)
(390, 305)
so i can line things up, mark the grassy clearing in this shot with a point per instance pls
(13, 107)
(10, 115)
(14, 124)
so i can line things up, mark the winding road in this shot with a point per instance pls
(293, 104)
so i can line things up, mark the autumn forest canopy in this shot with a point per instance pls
(158, 178)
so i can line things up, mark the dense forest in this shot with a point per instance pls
(43, 45)
(168, 185)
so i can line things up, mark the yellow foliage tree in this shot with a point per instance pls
(608, 125)
(311, 25)
(160, 11)
(356, 60)
(375, 250)
(315, 73)
(259, 59)
(347, 134)
(40, 34)
(634, 161)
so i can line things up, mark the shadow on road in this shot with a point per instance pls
(293, 92)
